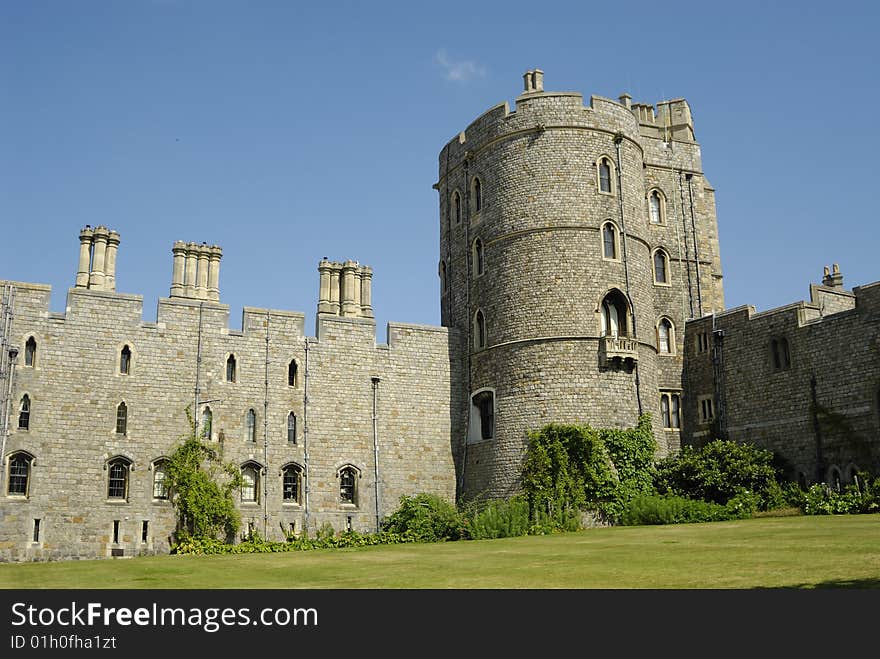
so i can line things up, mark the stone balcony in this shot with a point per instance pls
(618, 350)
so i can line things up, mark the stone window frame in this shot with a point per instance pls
(293, 374)
(477, 192)
(230, 356)
(780, 353)
(851, 472)
(661, 197)
(670, 339)
(702, 342)
(672, 413)
(30, 461)
(612, 170)
(603, 317)
(478, 257)
(831, 481)
(159, 466)
(663, 254)
(207, 418)
(30, 351)
(126, 356)
(258, 471)
(297, 469)
(122, 420)
(706, 409)
(291, 415)
(480, 330)
(345, 499)
(250, 429)
(127, 465)
(25, 411)
(476, 423)
(456, 207)
(616, 230)
(442, 271)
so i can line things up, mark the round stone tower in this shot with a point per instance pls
(574, 243)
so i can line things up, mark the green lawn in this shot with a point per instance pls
(771, 552)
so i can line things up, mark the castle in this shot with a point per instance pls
(580, 281)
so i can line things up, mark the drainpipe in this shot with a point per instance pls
(266, 437)
(618, 138)
(817, 430)
(306, 438)
(468, 325)
(10, 374)
(690, 176)
(687, 258)
(375, 380)
(198, 369)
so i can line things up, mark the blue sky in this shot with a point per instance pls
(285, 132)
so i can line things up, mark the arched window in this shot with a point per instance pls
(665, 337)
(251, 425)
(478, 257)
(291, 428)
(117, 478)
(30, 352)
(230, 368)
(834, 480)
(605, 169)
(250, 487)
(292, 374)
(478, 195)
(479, 330)
(661, 267)
(609, 241)
(443, 282)
(24, 413)
(160, 473)
(348, 485)
(121, 419)
(19, 474)
(207, 422)
(125, 360)
(291, 481)
(852, 475)
(656, 207)
(613, 315)
(456, 206)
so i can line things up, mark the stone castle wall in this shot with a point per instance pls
(819, 408)
(75, 386)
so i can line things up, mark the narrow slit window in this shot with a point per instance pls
(24, 413)
(609, 241)
(661, 276)
(292, 373)
(251, 428)
(230, 368)
(478, 195)
(122, 419)
(30, 352)
(605, 175)
(291, 428)
(125, 361)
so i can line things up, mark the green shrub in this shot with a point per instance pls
(672, 509)
(497, 519)
(427, 517)
(569, 468)
(719, 471)
(862, 498)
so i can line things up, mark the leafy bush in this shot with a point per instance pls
(257, 545)
(569, 468)
(497, 519)
(864, 498)
(719, 471)
(427, 517)
(672, 509)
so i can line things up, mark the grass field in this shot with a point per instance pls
(783, 552)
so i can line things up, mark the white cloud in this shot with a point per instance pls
(460, 70)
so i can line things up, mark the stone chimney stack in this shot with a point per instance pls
(195, 272)
(97, 259)
(533, 82)
(833, 279)
(345, 289)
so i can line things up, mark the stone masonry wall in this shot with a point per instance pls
(75, 387)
